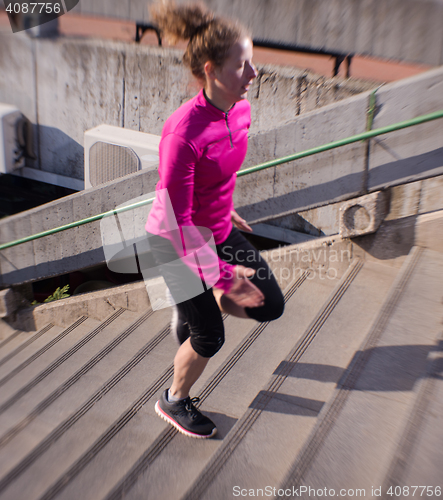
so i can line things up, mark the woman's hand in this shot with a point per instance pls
(243, 292)
(240, 223)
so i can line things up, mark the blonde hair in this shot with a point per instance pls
(210, 37)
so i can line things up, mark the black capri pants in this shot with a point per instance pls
(202, 312)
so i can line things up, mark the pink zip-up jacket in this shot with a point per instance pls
(201, 150)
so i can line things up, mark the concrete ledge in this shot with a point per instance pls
(414, 152)
(97, 305)
(14, 298)
(310, 182)
(329, 257)
(74, 249)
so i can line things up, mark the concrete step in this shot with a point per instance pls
(418, 457)
(7, 332)
(29, 396)
(379, 407)
(265, 440)
(10, 338)
(128, 435)
(28, 347)
(142, 459)
(27, 371)
(42, 394)
(72, 400)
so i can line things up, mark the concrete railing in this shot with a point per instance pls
(353, 170)
(406, 30)
(327, 177)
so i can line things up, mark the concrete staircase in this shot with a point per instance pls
(347, 404)
(344, 391)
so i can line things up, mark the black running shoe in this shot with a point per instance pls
(179, 326)
(185, 417)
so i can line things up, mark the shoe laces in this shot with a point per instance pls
(189, 405)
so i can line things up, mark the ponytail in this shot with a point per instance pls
(210, 37)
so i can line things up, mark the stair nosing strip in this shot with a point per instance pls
(25, 344)
(13, 335)
(16, 333)
(40, 352)
(332, 409)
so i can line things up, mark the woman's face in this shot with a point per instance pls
(232, 80)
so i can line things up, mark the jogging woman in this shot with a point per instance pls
(202, 147)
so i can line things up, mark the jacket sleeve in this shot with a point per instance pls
(178, 163)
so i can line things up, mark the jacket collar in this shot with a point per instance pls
(203, 101)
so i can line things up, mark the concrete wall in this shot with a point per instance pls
(291, 188)
(409, 30)
(83, 83)
(352, 170)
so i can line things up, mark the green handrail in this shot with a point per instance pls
(285, 159)
(76, 223)
(343, 142)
